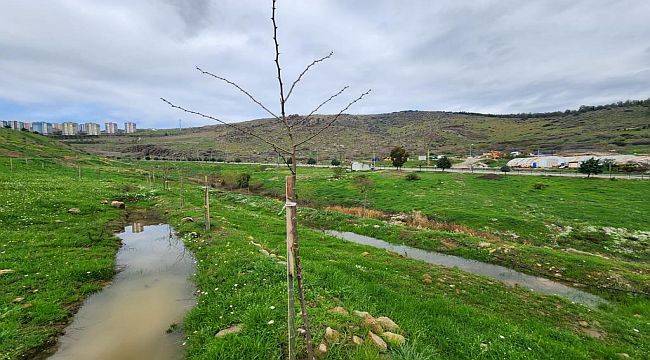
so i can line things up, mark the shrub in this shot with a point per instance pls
(221, 160)
(335, 162)
(255, 185)
(505, 168)
(311, 161)
(338, 172)
(237, 160)
(243, 180)
(539, 186)
(412, 177)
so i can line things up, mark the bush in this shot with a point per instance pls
(412, 177)
(311, 161)
(338, 172)
(505, 168)
(335, 162)
(221, 160)
(255, 185)
(237, 160)
(243, 180)
(235, 180)
(539, 186)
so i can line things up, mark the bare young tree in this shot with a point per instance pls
(287, 149)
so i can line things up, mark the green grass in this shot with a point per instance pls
(65, 259)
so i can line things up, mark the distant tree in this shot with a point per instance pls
(335, 162)
(591, 166)
(505, 168)
(237, 160)
(443, 163)
(363, 184)
(311, 161)
(398, 156)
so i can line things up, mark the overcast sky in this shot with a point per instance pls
(98, 60)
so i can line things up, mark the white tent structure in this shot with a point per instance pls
(574, 161)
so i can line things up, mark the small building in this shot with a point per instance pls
(359, 166)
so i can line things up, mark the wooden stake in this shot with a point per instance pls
(181, 191)
(207, 205)
(291, 237)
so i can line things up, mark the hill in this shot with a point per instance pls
(25, 144)
(621, 128)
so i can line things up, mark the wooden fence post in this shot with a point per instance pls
(207, 205)
(181, 190)
(290, 207)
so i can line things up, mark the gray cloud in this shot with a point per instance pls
(96, 60)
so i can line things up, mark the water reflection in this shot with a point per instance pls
(129, 318)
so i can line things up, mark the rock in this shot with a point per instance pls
(357, 340)
(395, 340)
(361, 314)
(583, 323)
(332, 336)
(365, 253)
(378, 342)
(426, 279)
(339, 310)
(74, 211)
(387, 323)
(104, 202)
(6, 271)
(623, 355)
(264, 252)
(117, 204)
(321, 350)
(18, 299)
(193, 234)
(187, 219)
(230, 330)
(484, 244)
(372, 323)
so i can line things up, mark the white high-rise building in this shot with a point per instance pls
(92, 129)
(70, 128)
(129, 127)
(111, 127)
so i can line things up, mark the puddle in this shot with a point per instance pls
(496, 272)
(129, 318)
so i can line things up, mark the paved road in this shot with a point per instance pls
(525, 172)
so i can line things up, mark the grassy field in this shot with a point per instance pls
(58, 258)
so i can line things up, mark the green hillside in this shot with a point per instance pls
(617, 128)
(26, 144)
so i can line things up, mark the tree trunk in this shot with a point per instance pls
(291, 237)
(291, 224)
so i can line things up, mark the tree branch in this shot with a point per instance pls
(275, 147)
(305, 71)
(334, 119)
(240, 89)
(306, 118)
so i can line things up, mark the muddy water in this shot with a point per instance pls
(129, 318)
(496, 272)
